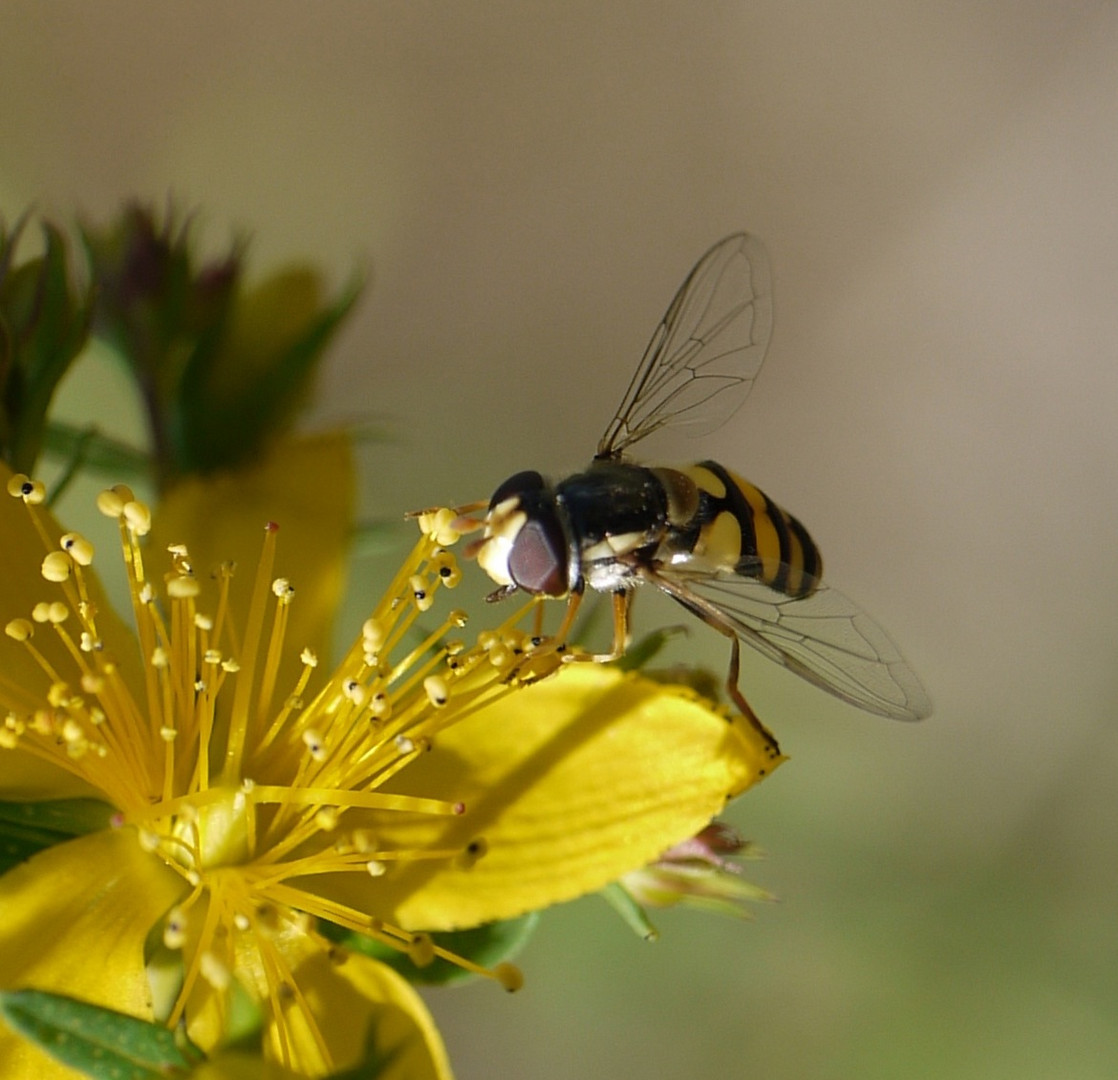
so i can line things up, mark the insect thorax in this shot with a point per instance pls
(618, 515)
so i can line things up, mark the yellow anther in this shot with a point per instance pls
(175, 929)
(446, 566)
(30, 491)
(313, 742)
(354, 692)
(437, 525)
(436, 689)
(182, 588)
(56, 612)
(509, 976)
(137, 517)
(421, 951)
(78, 547)
(422, 595)
(19, 629)
(110, 503)
(57, 567)
(373, 633)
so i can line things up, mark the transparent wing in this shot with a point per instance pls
(706, 352)
(824, 638)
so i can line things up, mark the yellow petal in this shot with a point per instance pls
(349, 1008)
(570, 785)
(23, 683)
(365, 1007)
(74, 922)
(306, 486)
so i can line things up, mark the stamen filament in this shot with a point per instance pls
(261, 589)
(272, 661)
(369, 800)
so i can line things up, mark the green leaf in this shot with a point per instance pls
(30, 827)
(95, 450)
(632, 914)
(98, 1042)
(485, 945)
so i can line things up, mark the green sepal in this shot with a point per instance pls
(30, 827)
(632, 914)
(98, 1042)
(44, 325)
(237, 396)
(485, 945)
(222, 369)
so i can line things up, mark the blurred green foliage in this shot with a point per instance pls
(221, 368)
(44, 324)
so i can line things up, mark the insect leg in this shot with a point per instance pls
(706, 611)
(564, 631)
(622, 602)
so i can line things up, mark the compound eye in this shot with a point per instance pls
(538, 559)
(522, 483)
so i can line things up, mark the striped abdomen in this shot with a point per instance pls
(723, 522)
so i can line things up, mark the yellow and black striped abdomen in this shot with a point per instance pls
(735, 526)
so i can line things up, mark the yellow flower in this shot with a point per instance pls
(432, 781)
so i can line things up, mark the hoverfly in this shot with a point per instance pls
(700, 533)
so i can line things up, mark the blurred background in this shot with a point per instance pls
(528, 183)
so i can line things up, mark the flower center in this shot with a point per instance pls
(251, 791)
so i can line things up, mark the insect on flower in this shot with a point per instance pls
(700, 533)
